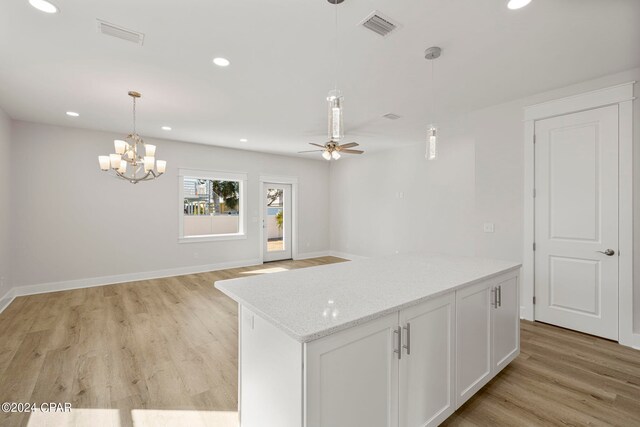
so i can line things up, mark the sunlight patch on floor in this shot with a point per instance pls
(164, 418)
(81, 417)
(76, 418)
(266, 270)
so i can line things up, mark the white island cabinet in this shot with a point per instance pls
(398, 341)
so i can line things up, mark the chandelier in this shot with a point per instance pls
(133, 160)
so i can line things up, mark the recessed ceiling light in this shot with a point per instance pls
(72, 114)
(244, 140)
(517, 4)
(166, 128)
(221, 62)
(44, 6)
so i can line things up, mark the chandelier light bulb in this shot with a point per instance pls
(123, 167)
(150, 150)
(161, 165)
(327, 155)
(335, 155)
(120, 146)
(149, 163)
(115, 160)
(105, 162)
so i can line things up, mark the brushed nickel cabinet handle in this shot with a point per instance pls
(399, 350)
(408, 345)
(500, 296)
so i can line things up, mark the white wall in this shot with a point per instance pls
(96, 225)
(435, 214)
(5, 198)
(397, 201)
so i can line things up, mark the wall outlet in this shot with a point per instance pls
(489, 227)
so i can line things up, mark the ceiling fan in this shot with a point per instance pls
(332, 150)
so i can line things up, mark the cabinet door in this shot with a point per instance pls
(506, 323)
(352, 376)
(427, 378)
(473, 340)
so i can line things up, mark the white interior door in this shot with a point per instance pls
(576, 221)
(277, 224)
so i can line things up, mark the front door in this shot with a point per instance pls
(277, 222)
(576, 221)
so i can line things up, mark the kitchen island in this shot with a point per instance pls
(395, 341)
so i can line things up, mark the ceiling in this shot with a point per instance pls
(281, 54)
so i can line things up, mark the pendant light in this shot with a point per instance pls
(431, 54)
(335, 99)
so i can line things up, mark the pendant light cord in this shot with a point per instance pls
(433, 93)
(336, 47)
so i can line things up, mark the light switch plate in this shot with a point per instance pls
(488, 227)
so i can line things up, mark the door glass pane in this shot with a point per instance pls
(275, 220)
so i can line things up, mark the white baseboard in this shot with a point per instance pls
(525, 314)
(308, 255)
(122, 278)
(345, 255)
(7, 299)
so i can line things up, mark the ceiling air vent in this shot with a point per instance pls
(112, 30)
(379, 24)
(391, 116)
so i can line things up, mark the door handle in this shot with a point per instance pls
(608, 252)
(494, 295)
(399, 350)
(500, 296)
(407, 346)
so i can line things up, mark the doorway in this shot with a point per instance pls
(576, 221)
(277, 224)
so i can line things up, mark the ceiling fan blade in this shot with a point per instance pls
(310, 151)
(349, 145)
(352, 151)
(317, 145)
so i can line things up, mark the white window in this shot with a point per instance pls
(211, 206)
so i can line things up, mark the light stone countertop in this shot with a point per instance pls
(313, 302)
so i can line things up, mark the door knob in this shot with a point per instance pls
(608, 252)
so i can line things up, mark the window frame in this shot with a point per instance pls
(240, 177)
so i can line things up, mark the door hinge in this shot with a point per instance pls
(534, 193)
(534, 246)
(534, 138)
(534, 300)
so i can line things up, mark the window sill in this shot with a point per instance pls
(212, 238)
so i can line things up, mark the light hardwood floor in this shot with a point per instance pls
(164, 352)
